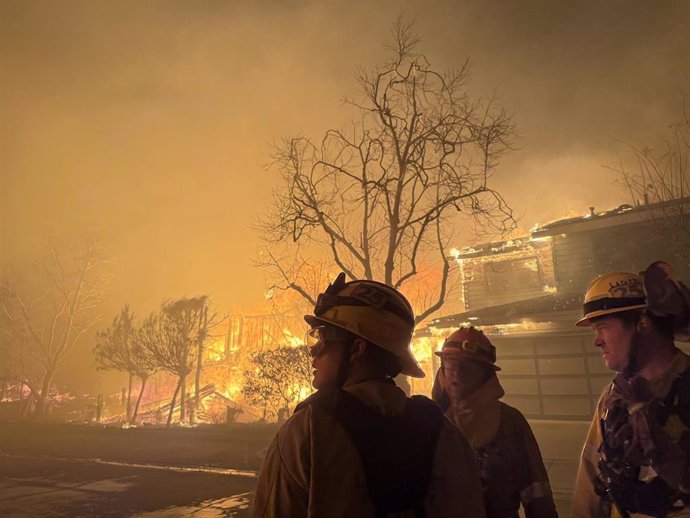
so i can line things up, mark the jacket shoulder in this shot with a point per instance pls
(513, 416)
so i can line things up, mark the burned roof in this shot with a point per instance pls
(540, 234)
(539, 309)
(623, 214)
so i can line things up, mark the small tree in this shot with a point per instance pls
(378, 196)
(661, 178)
(118, 348)
(279, 378)
(48, 325)
(175, 339)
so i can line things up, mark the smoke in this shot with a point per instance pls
(148, 124)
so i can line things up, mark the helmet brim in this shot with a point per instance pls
(586, 320)
(410, 366)
(466, 356)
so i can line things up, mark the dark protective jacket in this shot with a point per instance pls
(313, 469)
(588, 500)
(511, 466)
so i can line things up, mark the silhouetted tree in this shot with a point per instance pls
(279, 378)
(119, 348)
(47, 326)
(174, 337)
(379, 194)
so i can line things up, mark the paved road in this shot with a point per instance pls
(49, 487)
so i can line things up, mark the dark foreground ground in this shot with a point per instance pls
(36, 487)
(84, 471)
(74, 471)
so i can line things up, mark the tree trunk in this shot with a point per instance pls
(2, 390)
(183, 397)
(21, 399)
(99, 408)
(172, 404)
(136, 406)
(203, 320)
(129, 398)
(26, 412)
(42, 398)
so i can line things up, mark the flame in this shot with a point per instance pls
(304, 392)
(215, 351)
(232, 390)
(424, 347)
(291, 339)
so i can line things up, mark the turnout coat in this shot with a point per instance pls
(586, 502)
(313, 470)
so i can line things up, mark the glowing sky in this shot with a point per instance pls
(148, 124)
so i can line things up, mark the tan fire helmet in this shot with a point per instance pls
(469, 343)
(371, 310)
(613, 293)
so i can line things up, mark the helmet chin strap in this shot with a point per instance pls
(344, 366)
(631, 369)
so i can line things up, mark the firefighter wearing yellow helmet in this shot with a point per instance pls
(359, 446)
(636, 458)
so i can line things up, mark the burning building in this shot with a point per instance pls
(526, 294)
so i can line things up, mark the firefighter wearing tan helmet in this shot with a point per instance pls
(511, 466)
(636, 457)
(359, 447)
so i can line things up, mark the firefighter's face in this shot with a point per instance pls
(462, 376)
(614, 337)
(326, 349)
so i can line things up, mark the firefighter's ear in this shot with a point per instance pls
(358, 347)
(644, 324)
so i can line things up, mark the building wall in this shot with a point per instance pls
(579, 257)
(573, 262)
(504, 277)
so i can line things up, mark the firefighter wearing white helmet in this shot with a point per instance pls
(636, 458)
(359, 446)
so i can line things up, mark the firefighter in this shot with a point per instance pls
(358, 447)
(635, 457)
(511, 466)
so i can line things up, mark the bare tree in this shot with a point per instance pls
(48, 326)
(205, 324)
(119, 348)
(378, 196)
(660, 179)
(175, 339)
(279, 378)
(11, 354)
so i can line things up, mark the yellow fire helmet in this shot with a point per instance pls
(373, 311)
(613, 293)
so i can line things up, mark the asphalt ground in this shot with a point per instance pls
(68, 470)
(49, 487)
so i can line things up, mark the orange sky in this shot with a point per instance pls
(147, 124)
